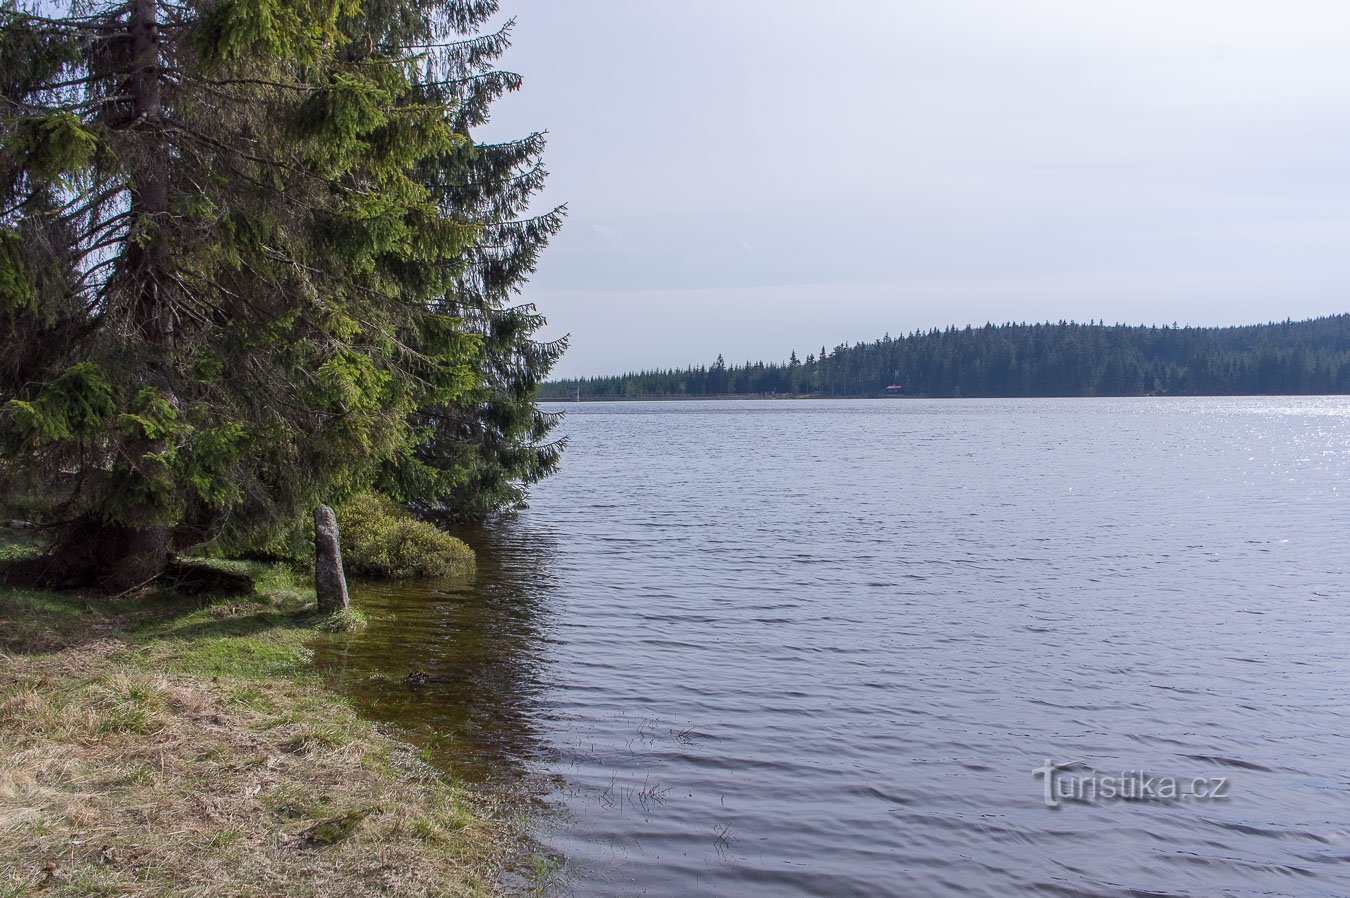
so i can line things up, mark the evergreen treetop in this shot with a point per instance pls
(234, 238)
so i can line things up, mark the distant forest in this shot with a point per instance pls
(1064, 359)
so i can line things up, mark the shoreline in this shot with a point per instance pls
(160, 745)
(797, 397)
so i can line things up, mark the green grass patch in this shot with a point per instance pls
(157, 745)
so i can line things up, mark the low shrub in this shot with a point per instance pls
(382, 539)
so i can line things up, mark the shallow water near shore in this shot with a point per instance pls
(820, 648)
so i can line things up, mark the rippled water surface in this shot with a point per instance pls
(818, 648)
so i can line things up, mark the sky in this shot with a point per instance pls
(749, 178)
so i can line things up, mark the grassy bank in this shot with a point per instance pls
(157, 746)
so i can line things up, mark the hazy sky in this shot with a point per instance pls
(749, 177)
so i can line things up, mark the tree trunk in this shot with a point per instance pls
(148, 257)
(117, 549)
(108, 558)
(117, 556)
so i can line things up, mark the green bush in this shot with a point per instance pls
(382, 539)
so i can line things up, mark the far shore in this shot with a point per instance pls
(800, 396)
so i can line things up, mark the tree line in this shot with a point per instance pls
(253, 259)
(1024, 360)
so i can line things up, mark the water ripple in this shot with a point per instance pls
(818, 648)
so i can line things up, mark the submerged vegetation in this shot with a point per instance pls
(167, 747)
(1064, 359)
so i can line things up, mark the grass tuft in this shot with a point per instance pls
(345, 620)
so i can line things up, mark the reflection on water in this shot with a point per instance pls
(478, 646)
(819, 648)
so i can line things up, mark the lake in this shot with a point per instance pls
(791, 648)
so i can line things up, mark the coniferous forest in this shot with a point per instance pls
(1022, 360)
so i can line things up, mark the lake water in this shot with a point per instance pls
(783, 648)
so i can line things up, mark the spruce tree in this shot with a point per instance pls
(223, 265)
(475, 453)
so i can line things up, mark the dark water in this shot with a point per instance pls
(818, 648)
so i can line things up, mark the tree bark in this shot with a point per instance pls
(148, 257)
(116, 556)
(119, 548)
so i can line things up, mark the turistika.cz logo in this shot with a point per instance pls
(1075, 783)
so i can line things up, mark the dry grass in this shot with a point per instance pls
(165, 753)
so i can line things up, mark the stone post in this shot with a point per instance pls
(329, 582)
